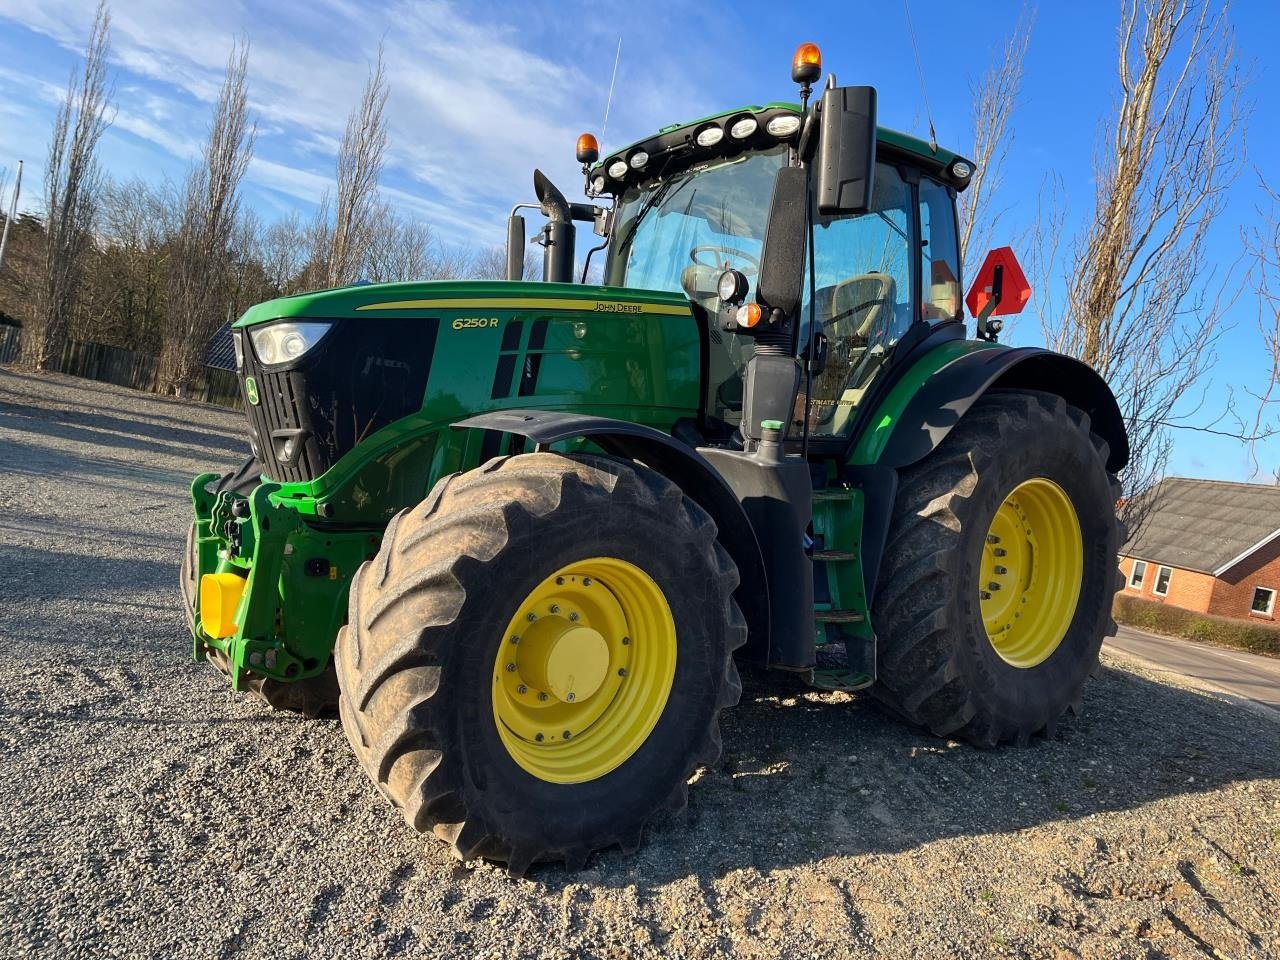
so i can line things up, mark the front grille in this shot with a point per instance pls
(362, 376)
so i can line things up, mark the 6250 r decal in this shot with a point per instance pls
(474, 323)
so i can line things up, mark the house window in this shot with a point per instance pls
(1163, 576)
(1139, 571)
(1264, 601)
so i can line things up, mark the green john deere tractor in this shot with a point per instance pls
(521, 533)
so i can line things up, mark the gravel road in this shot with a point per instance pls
(150, 812)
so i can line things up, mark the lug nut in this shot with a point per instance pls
(574, 617)
(555, 608)
(984, 595)
(559, 581)
(542, 696)
(999, 551)
(522, 689)
(569, 697)
(1001, 571)
(622, 671)
(511, 668)
(993, 586)
(532, 617)
(626, 641)
(538, 737)
(992, 538)
(586, 581)
(568, 734)
(515, 639)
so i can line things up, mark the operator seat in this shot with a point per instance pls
(860, 314)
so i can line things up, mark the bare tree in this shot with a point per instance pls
(283, 249)
(72, 181)
(210, 209)
(1142, 301)
(994, 99)
(399, 249)
(360, 161)
(1263, 245)
(124, 298)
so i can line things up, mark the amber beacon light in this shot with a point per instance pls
(806, 65)
(588, 151)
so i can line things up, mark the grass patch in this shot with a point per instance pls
(1173, 621)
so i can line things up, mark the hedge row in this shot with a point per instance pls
(1174, 621)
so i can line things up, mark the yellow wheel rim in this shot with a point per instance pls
(584, 670)
(1032, 563)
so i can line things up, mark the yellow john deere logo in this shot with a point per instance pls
(251, 390)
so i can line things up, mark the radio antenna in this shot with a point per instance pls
(933, 137)
(609, 102)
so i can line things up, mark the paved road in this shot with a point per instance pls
(1243, 674)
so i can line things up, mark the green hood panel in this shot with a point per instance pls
(401, 299)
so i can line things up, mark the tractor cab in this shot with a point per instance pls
(864, 250)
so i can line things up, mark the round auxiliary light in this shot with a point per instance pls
(597, 183)
(732, 286)
(709, 135)
(783, 125)
(638, 160)
(806, 65)
(743, 128)
(587, 150)
(618, 169)
(961, 170)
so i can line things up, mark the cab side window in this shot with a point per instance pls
(862, 299)
(939, 252)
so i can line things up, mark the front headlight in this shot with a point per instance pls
(237, 341)
(282, 342)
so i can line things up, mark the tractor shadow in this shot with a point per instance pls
(807, 776)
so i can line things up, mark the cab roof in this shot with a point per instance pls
(913, 149)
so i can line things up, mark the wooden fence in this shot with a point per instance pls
(125, 368)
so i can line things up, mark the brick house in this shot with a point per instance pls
(1209, 546)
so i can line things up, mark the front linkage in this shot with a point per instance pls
(278, 596)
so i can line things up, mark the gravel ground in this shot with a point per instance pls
(150, 812)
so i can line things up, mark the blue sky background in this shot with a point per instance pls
(482, 93)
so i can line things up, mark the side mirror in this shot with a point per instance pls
(782, 258)
(515, 247)
(846, 162)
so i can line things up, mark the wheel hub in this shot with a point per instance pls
(565, 659)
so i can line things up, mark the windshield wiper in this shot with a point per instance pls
(650, 202)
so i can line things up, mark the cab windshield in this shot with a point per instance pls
(680, 232)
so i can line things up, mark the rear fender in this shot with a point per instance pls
(684, 467)
(925, 418)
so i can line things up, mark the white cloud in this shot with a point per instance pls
(473, 105)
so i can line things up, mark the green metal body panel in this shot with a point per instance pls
(627, 354)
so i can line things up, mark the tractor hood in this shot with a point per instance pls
(335, 379)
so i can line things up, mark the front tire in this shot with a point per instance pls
(507, 590)
(999, 572)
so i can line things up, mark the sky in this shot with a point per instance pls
(481, 93)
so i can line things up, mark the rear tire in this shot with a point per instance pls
(422, 691)
(940, 667)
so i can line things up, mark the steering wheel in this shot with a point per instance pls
(718, 254)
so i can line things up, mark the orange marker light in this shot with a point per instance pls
(806, 65)
(588, 150)
(750, 314)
